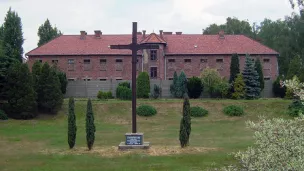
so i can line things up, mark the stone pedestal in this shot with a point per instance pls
(134, 141)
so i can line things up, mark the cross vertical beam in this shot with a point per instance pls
(134, 60)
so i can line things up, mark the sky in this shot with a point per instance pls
(116, 16)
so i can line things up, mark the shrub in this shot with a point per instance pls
(156, 91)
(295, 108)
(185, 124)
(179, 86)
(195, 87)
(104, 95)
(72, 128)
(278, 89)
(233, 110)
(289, 94)
(143, 85)
(21, 95)
(3, 115)
(198, 111)
(90, 126)
(123, 93)
(221, 90)
(239, 87)
(124, 84)
(278, 146)
(146, 110)
(210, 79)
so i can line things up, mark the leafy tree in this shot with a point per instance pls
(36, 71)
(46, 32)
(239, 87)
(90, 126)
(72, 128)
(210, 78)
(143, 85)
(50, 97)
(295, 68)
(21, 95)
(13, 36)
(221, 90)
(293, 3)
(185, 124)
(174, 85)
(258, 68)
(195, 87)
(251, 79)
(234, 67)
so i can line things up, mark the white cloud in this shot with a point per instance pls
(115, 16)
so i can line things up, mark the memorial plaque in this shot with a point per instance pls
(134, 139)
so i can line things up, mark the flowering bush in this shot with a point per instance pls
(297, 87)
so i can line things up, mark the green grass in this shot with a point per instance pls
(22, 143)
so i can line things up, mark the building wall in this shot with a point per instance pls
(191, 65)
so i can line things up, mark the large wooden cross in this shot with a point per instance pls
(134, 47)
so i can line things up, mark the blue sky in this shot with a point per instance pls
(116, 16)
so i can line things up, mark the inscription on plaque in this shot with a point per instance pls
(134, 139)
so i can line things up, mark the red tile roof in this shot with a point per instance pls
(176, 44)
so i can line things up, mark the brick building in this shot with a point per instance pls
(89, 56)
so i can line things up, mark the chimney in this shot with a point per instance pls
(178, 33)
(82, 34)
(222, 34)
(167, 33)
(98, 33)
(161, 33)
(144, 33)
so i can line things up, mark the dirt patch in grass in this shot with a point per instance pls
(114, 152)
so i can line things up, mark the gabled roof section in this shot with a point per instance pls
(153, 38)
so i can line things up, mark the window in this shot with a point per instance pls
(71, 64)
(118, 65)
(103, 64)
(204, 60)
(118, 60)
(87, 79)
(39, 60)
(71, 79)
(266, 60)
(266, 78)
(153, 72)
(187, 60)
(171, 60)
(55, 61)
(219, 60)
(103, 79)
(153, 55)
(170, 78)
(87, 64)
(118, 79)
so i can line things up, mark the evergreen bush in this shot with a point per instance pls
(174, 85)
(3, 115)
(195, 87)
(104, 95)
(258, 68)
(124, 84)
(143, 85)
(295, 108)
(179, 86)
(234, 67)
(278, 89)
(197, 111)
(185, 124)
(72, 128)
(123, 93)
(146, 110)
(156, 91)
(90, 126)
(239, 87)
(233, 110)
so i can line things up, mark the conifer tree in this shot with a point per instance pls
(90, 126)
(72, 128)
(36, 71)
(258, 68)
(239, 87)
(143, 85)
(63, 81)
(21, 95)
(174, 85)
(46, 32)
(251, 79)
(185, 124)
(182, 85)
(234, 67)
(13, 36)
(50, 97)
(295, 68)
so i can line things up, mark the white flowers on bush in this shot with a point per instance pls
(279, 145)
(297, 87)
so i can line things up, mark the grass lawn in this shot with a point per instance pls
(41, 144)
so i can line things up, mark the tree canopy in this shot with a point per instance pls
(46, 32)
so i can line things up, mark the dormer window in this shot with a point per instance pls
(153, 55)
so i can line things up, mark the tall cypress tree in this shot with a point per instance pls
(36, 71)
(182, 85)
(143, 85)
(185, 124)
(50, 97)
(13, 36)
(251, 79)
(90, 126)
(258, 68)
(46, 32)
(72, 128)
(21, 95)
(174, 85)
(234, 67)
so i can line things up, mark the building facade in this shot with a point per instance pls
(89, 57)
